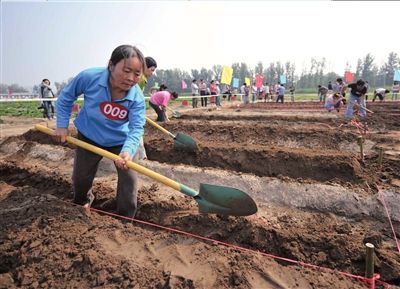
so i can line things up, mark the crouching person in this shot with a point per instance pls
(334, 101)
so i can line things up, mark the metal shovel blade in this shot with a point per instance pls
(184, 142)
(176, 114)
(222, 200)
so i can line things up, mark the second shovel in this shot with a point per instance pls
(175, 114)
(182, 141)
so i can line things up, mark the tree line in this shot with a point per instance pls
(309, 77)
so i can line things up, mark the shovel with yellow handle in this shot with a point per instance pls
(211, 199)
(182, 141)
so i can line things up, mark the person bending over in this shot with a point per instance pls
(381, 93)
(334, 101)
(159, 102)
(112, 118)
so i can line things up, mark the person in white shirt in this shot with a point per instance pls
(380, 92)
(195, 92)
(244, 89)
(266, 92)
(254, 93)
(44, 92)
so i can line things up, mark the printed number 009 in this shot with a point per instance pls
(115, 111)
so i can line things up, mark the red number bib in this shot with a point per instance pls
(114, 111)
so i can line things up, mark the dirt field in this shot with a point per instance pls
(318, 204)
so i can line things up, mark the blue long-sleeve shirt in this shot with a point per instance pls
(102, 120)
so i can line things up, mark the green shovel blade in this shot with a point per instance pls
(222, 200)
(183, 142)
(176, 114)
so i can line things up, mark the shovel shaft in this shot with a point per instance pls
(170, 109)
(156, 125)
(134, 166)
(359, 105)
(173, 111)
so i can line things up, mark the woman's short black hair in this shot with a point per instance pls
(126, 51)
(150, 62)
(174, 94)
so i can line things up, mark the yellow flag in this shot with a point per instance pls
(247, 81)
(226, 77)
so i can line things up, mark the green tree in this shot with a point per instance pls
(236, 72)
(290, 70)
(3, 88)
(280, 69)
(367, 67)
(259, 69)
(206, 75)
(60, 85)
(271, 74)
(359, 68)
(217, 71)
(392, 64)
(14, 88)
(320, 71)
(195, 74)
(373, 81)
(241, 71)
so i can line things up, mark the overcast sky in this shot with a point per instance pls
(58, 39)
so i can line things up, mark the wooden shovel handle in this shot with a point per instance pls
(134, 166)
(156, 125)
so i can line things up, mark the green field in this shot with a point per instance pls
(30, 108)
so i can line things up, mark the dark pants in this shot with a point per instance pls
(217, 98)
(158, 110)
(48, 109)
(85, 168)
(203, 99)
(194, 101)
(280, 97)
(378, 95)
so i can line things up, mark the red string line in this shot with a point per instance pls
(382, 199)
(303, 264)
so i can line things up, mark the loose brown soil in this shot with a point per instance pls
(47, 242)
